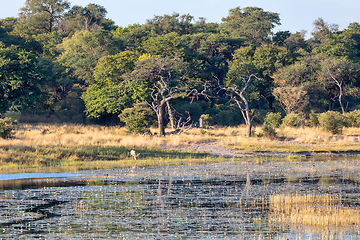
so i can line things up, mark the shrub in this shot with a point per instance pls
(331, 122)
(269, 130)
(273, 119)
(292, 120)
(13, 115)
(314, 119)
(6, 127)
(138, 119)
(352, 119)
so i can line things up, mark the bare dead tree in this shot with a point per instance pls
(167, 78)
(161, 95)
(339, 84)
(242, 103)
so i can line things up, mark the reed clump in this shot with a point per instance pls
(319, 212)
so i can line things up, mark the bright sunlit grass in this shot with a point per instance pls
(55, 144)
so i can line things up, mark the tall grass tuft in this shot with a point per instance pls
(320, 212)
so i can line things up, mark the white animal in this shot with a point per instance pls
(133, 154)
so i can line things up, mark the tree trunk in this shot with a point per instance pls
(270, 103)
(50, 22)
(160, 115)
(331, 104)
(340, 101)
(248, 129)
(201, 122)
(245, 113)
(171, 115)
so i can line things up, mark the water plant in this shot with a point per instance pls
(318, 211)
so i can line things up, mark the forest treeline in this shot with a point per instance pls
(66, 63)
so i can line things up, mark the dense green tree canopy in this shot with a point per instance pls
(251, 23)
(318, 75)
(90, 17)
(175, 23)
(40, 16)
(81, 52)
(76, 60)
(111, 93)
(168, 45)
(19, 79)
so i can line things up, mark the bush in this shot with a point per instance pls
(6, 127)
(352, 119)
(269, 130)
(139, 118)
(13, 115)
(331, 122)
(292, 120)
(273, 119)
(314, 119)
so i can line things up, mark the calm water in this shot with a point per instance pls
(217, 201)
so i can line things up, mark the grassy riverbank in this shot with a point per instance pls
(74, 147)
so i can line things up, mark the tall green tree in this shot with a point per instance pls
(111, 92)
(251, 23)
(326, 79)
(340, 45)
(92, 16)
(168, 45)
(353, 31)
(335, 75)
(322, 29)
(133, 36)
(40, 16)
(210, 53)
(8, 23)
(19, 79)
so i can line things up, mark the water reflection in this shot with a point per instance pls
(217, 201)
(15, 176)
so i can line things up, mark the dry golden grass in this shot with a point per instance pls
(293, 140)
(50, 145)
(289, 139)
(320, 212)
